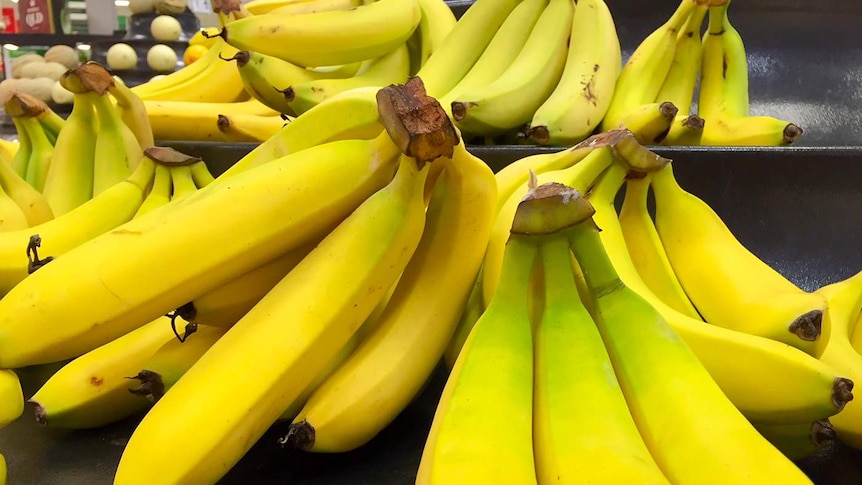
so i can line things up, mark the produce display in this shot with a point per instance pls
(599, 323)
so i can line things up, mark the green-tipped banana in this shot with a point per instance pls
(25, 146)
(117, 150)
(133, 113)
(32, 204)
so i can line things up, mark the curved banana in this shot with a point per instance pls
(33, 205)
(201, 174)
(179, 120)
(133, 112)
(646, 250)
(652, 364)
(249, 128)
(69, 182)
(582, 97)
(41, 154)
(51, 123)
(104, 212)
(25, 146)
(260, 7)
(391, 68)
(122, 297)
(483, 428)
(348, 115)
(679, 84)
(501, 51)
(798, 440)
(93, 390)
(398, 357)
(12, 218)
(730, 286)
(651, 122)
(644, 73)
(182, 183)
(512, 99)
(724, 70)
(363, 256)
(749, 131)
(465, 43)
(160, 192)
(327, 38)
(8, 150)
(11, 397)
(686, 130)
(471, 313)
(315, 6)
(170, 82)
(117, 149)
(573, 385)
(435, 24)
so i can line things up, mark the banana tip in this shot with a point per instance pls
(39, 411)
(792, 133)
(299, 436)
(808, 326)
(540, 134)
(842, 392)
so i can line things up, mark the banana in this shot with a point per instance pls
(41, 154)
(25, 146)
(172, 81)
(845, 301)
(686, 130)
(398, 357)
(469, 316)
(93, 390)
(435, 24)
(8, 150)
(482, 431)
(798, 440)
(163, 368)
(582, 97)
(581, 175)
(117, 149)
(24, 105)
(512, 99)
(11, 397)
(103, 213)
(768, 381)
(327, 38)
(249, 128)
(464, 45)
(315, 6)
(391, 68)
(133, 112)
(644, 73)
(201, 174)
(12, 218)
(69, 182)
(182, 183)
(180, 120)
(348, 115)
(33, 205)
(363, 256)
(646, 250)
(51, 123)
(651, 122)
(749, 131)
(160, 192)
(123, 296)
(260, 7)
(497, 57)
(724, 70)
(652, 364)
(679, 84)
(573, 386)
(730, 286)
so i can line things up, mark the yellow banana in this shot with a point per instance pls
(117, 150)
(93, 390)
(573, 386)
(172, 81)
(391, 68)
(466, 42)
(23, 105)
(749, 131)
(8, 150)
(730, 286)
(798, 440)
(652, 364)
(471, 313)
(724, 71)
(512, 99)
(201, 174)
(679, 84)
(180, 120)
(582, 97)
(435, 24)
(315, 6)
(25, 146)
(104, 212)
(646, 250)
(11, 397)
(12, 218)
(133, 112)
(398, 357)
(651, 122)
(41, 154)
(122, 296)
(51, 123)
(686, 130)
(249, 128)
(363, 256)
(327, 38)
(182, 183)
(32, 204)
(260, 7)
(160, 192)
(348, 115)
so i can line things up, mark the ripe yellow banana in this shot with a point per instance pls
(644, 73)
(122, 294)
(93, 390)
(391, 68)
(397, 357)
(25, 146)
(651, 122)
(512, 99)
(182, 183)
(845, 301)
(730, 286)
(652, 364)
(501, 51)
(249, 128)
(104, 212)
(483, 429)
(11, 397)
(678, 86)
(133, 112)
(69, 182)
(349, 115)
(201, 174)
(573, 386)
(646, 250)
(464, 45)
(749, 131)
(260, 7)
(471, 313)
(327, 38)
(435, 24)
(798, 440)
(160, 192)
(582, 97)
(180, 120)
(768, 381)
(33, 205)
(12, 218)
(315, 6)
(117, 151)
(581, 176)
(686, 130)
(724, 70)
(8, 150)
(264, 363)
